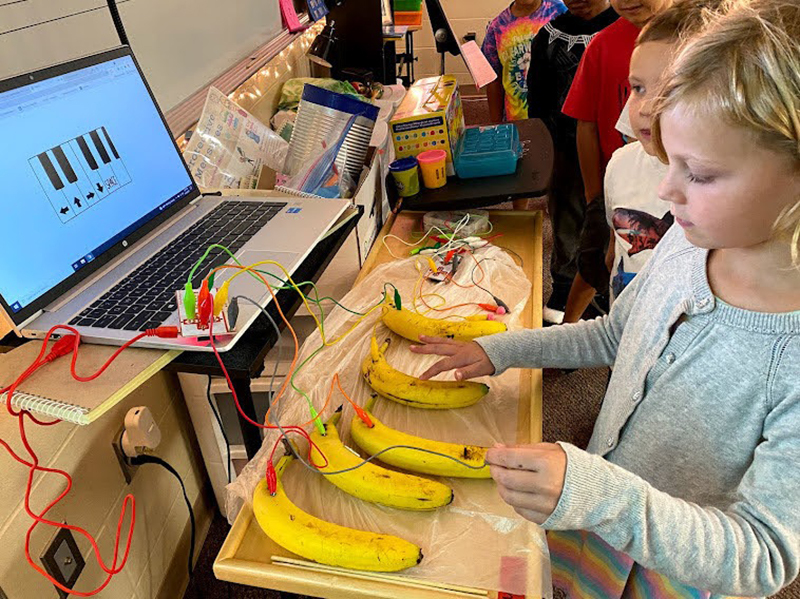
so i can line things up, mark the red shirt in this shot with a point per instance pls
(600, 88)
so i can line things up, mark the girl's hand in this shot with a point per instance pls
(530, 478)
(468, 357)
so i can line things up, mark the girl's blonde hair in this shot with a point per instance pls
(744, 67)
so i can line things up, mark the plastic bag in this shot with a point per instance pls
(321, 176)
(229, 146)
(292, 90)
(478, 526)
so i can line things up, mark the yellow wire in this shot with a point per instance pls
(325, 343)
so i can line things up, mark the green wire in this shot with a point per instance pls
(316, 300)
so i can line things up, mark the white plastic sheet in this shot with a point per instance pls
(476, 541)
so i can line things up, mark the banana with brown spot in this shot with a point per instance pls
(379, 437)
(325, 542)
(373, 483)
(406, 389)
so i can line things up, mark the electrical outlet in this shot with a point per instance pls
(63, 560)
(128, 469)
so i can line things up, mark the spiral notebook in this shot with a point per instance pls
(52, 392)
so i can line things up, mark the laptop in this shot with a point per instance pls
(102, 222)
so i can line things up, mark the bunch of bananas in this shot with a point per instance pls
(325, 542)
(405, 389)
(373, 483)
(411, 325)
(328, 543)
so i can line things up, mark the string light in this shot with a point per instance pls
(254, 88)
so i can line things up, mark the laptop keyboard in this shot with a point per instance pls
(146, 297)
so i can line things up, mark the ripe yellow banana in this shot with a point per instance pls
(374, 483)
(325, 542)
(379, 437)
(411, 325)
(405, 389)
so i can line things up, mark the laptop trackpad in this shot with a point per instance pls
(254, 289)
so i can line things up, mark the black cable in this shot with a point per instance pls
(219, 422)
(112, 8)
(75, 14)
(150, 459)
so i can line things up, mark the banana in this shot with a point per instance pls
(378, 437)
(411, 325)
(405, 389)
(325, 542)
(374, 483)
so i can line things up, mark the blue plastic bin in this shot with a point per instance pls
(488, 151)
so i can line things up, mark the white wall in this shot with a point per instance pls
(181, 44)
(464, 16)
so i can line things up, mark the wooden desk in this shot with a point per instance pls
(245, 557)
(531, 179)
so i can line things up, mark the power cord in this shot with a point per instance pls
(219, 422)
(150, 459)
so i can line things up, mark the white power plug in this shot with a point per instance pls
(141, 432)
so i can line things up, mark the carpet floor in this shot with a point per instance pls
(570, 402)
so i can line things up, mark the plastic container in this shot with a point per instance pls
(408, 18)
(406, 176)
(433, 165)
(408, 5)
(488, 151)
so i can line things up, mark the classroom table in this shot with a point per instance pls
(246, 555)
(530, 180)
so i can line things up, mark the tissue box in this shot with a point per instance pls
(429, 118)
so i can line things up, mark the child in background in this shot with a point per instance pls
(637, 217)
(596, 99)
(689, 486)
(507, 46)
(555, 54)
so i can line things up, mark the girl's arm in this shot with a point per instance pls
(751, 548)
(585, 344)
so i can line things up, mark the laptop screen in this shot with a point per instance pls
(87, 160)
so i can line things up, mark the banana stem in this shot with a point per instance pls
(371, 403)
(336, 416)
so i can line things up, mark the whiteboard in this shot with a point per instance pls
(180, 44)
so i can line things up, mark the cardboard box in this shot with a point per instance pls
(429, 118)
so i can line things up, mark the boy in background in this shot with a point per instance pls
(637, 216)
(507, 46)
(596, 99)
(556, 52)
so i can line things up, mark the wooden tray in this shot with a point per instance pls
(250, 557)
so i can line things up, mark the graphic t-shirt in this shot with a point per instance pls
(600, 89)
(634, 211)
(507, 46)
(555, 54)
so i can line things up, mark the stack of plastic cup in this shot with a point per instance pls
(433, 166)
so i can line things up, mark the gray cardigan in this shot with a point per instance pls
(693, 468)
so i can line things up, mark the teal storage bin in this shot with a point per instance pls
(488, 151)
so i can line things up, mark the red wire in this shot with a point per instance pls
(34, 467)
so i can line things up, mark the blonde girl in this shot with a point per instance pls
(690, 486)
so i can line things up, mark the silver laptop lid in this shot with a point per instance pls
(89, 167)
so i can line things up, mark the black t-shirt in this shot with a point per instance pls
(556, 51)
